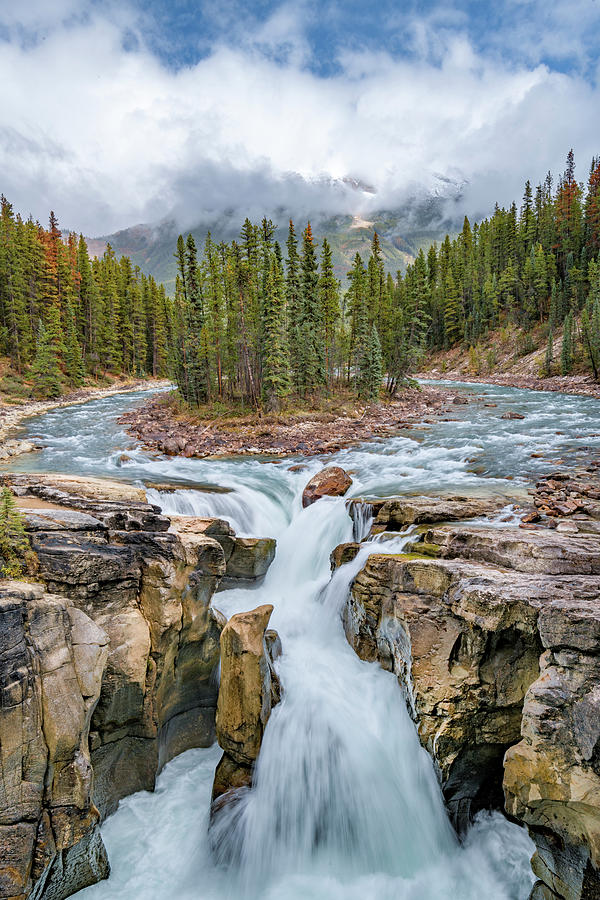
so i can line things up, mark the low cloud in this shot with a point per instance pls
(94, 125)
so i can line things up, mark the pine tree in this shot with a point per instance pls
(14, 543)
(370, 372)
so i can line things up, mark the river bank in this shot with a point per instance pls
(159, 426)
(11, 416)
(579, 385)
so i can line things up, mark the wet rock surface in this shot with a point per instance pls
(331, 481)
(395, 513)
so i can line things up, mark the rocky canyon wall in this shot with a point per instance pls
(494, 635)
(109, 667)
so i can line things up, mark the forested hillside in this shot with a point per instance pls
(64, 317)
(535, 267)
(260, 321)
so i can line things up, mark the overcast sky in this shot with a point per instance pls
(125, 112)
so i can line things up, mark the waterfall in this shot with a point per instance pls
(345, 801)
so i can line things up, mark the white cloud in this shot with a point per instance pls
(108, 137)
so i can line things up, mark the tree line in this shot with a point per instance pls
(64, 316)
(257, 320)
(537, 265)
(260, 321)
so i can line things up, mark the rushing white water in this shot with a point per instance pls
(345, 802)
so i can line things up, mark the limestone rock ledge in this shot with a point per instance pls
(497, 650)
(112, 670)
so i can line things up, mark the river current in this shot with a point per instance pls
(345, 802)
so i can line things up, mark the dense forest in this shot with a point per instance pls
(537, 265)
(250, 323)
(258, 321)
(64, 317)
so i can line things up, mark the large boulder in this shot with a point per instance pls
(248, 691)
(247, 560)
(332, 481)
(250, 560)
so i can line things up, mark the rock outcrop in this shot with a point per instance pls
(249, 689)
(111, 669)
(247, 560)
(552, 777)
(395, 513)
(497, 649)
(462, 640)
(331, 481)
(52, 660)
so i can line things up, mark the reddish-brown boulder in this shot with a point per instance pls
(332, 481)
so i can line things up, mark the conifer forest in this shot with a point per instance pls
(265, 318)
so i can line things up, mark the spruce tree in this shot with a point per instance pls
(566, 353)
(310, 369)
(14, 543)
(329, 295)
(276, 374)
(374, 367)
(47, 382)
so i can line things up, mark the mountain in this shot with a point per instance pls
(422, 219)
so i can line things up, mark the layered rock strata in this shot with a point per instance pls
(496, 647)
(141, 586)
(52, 658)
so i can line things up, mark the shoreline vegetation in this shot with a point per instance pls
(270, 352)
(164, 424)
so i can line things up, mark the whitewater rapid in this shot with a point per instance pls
(345, 802)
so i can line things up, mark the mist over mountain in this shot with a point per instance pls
(421, 216)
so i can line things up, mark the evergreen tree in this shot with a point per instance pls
(310, 368)
(549, 358)
(567, 350)
(370, 369)
(329, 295)
(14, 543)
(46, 369)
(276, 375)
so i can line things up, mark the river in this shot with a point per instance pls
(345, 802)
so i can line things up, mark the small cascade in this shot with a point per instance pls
(361, 513)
